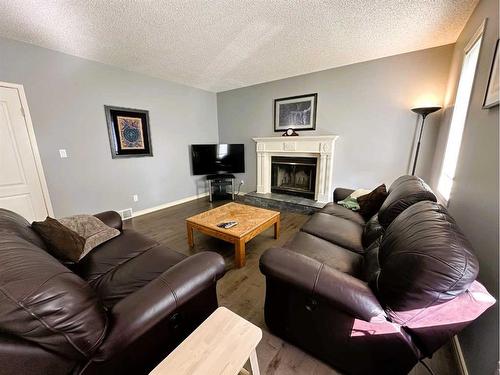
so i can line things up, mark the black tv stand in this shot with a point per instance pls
(217, 184)
(218, 176)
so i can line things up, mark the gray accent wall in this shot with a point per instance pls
(366, 104)
(475, 195)
(66, 97)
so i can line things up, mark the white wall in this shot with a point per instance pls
(366, 104)
(474, 198)
(66, 96)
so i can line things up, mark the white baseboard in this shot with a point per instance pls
(169, 204)
(462, 366)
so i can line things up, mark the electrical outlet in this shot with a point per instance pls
(136, 198)
(242, 182)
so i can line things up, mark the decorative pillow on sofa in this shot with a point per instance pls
(71, 238)
(369, 204)
(351, 202)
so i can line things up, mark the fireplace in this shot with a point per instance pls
(294, 175)
(320, 148)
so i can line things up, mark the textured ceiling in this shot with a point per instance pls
(219, 45)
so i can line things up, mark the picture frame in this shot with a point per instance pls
(295, 112)
(129, 133)
(491, 96)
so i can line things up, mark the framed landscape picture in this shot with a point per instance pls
(128, 130)
(491, 98)
(295, 112)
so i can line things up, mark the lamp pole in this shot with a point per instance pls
(424, 111)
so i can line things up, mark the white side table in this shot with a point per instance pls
(221, 345)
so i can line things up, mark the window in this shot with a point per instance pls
(459, 116)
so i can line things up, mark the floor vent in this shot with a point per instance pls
(126, 214)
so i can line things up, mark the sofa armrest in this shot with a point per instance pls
(142, 310)
(111, 219)
(341, 193)
(341, 290)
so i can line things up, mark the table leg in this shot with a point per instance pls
(254, 363)
(190, 235)
(239, 253)
(277, 229)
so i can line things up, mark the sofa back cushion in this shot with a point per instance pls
(14, 224)
(40, 299)
(404, 192)
(424, 259)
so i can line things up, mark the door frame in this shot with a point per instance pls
(33, 144)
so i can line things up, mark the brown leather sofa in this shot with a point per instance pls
(120, 310)
(374, 297)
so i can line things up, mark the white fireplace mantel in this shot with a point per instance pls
(319, 146)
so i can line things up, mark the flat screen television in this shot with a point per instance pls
(218, 158)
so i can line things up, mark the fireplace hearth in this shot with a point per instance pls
(294, 175)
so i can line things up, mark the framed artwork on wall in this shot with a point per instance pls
(491, 98)
(295, 112)
(129, 134)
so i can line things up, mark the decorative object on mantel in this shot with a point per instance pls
(290, 133)
(424, 111)
(295, 112)
(491, 98)
(128, 130)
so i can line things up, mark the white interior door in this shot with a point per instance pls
(21, 178)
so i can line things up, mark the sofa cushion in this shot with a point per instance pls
(112, 254)
(371, 265)
(41, 300)
(345, 233)
(124, 264)
(326, 252)
(343, 212)
(404, 192)
(372, 231)
(132, 275)
(424, 258)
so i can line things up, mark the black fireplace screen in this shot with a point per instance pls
(294, 176)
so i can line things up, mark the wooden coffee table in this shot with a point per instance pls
(251, 222)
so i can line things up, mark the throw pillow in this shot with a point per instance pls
(61, 241)
(73, 237)
(369, 204)
(351, 202)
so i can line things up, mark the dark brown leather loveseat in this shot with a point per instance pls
(121, 310)
(374, 297)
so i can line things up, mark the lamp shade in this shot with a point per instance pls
(424, 111)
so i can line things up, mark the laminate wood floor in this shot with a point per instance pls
(243, 290)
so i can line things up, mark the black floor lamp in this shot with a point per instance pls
(424, 111)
